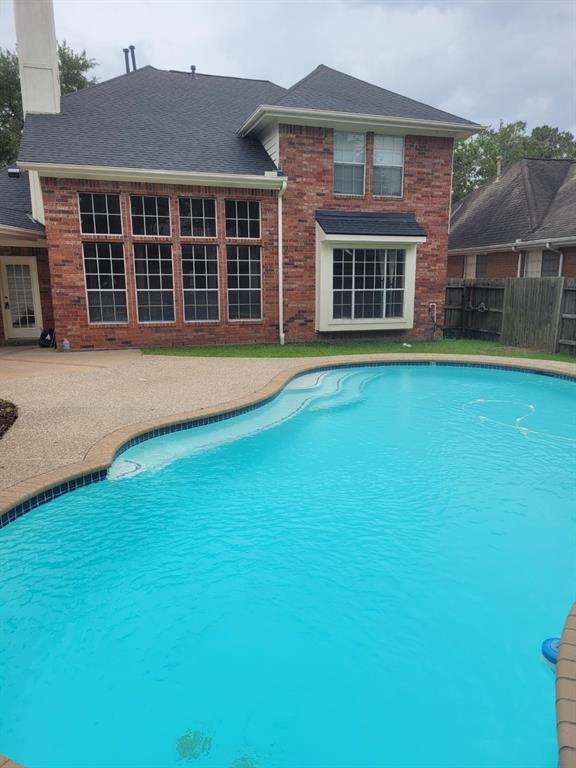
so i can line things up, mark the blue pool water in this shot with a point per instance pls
(359, 574)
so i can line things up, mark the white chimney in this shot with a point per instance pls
(37, 56)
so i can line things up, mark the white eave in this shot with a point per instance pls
(269, 113)
(268, 180)
(516, 245)
(18, 236)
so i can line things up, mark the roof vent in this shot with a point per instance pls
(133, 56)
(126, 60)
(193, 69)
(13, 173)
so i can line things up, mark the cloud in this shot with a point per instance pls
(482, 60)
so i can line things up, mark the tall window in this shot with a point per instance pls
(244, 282)
(243, 218)
(105, 282)
(200, 282)
(100, 213)
(388, 165)
(550, 264)
(349, 154)
(150, 215)
(197, 217)
(368, 283)
(482, 265)
(154, 282)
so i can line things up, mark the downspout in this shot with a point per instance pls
(281, 336)
(517, 250)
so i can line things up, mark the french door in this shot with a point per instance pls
(21, 309)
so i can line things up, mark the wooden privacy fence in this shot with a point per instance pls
(537, 312)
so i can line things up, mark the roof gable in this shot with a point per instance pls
(530, 195)
(327, 89)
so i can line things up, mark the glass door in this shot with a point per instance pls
(20, 297)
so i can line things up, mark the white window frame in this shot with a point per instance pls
(228, 289)
(469, 266)
(325, 244)
(145, 216)
(237, 219)
(192, 236)
(101, 234)
(148, 290)
(185, 290)
(378, 165)
(335, 163)
(87, 290)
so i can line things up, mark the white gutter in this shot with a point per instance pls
(328, 118)
(269, 180)
(513, 246)
(281, 265)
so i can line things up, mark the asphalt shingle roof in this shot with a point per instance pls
(155, 119)
(328, 89)
(15, 204)
(369, 223)
(533, 199)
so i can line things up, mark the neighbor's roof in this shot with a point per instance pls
(534, 199)
(328, 89)
(150, 118)
(369, 223)
(177, 121)
(15, 204)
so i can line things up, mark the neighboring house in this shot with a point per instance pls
(521, 224)
(184, 208)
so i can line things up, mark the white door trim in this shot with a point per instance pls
(11, 333)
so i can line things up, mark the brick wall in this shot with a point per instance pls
(455, 265)
(306, 157)
(41, 255)
(569, 268)
(67, 271)
(505, 264)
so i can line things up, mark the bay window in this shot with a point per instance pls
(368, 283)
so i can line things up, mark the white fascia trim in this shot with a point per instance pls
(343, 120)
(381, 239)
(517, 244)
(22, 237)
(148, 175)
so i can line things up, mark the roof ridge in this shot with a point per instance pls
(299, 82)
(105, 82)
(224, 77)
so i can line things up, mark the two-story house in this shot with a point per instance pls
(165, 207)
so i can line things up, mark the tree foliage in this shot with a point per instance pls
(74, 75)
(475, 159)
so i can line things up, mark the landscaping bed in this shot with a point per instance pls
(8, 415)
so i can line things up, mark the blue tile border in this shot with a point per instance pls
(93, 477)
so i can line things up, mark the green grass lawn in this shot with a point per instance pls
(327, 349)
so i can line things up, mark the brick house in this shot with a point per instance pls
(520, 224)
(165, 207)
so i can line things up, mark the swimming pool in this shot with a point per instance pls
(358, 573)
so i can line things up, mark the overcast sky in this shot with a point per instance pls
(485, 60)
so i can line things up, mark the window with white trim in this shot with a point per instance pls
(368, 283)
(242, 218)
(388, 164)
(154, 282)
(244, 282)
(150, 215)
(105, 274)
(200, 282)
(349, 159)
(197, 217)
(100, 213)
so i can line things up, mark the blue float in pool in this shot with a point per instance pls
(550, 649)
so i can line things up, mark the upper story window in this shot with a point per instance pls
(197, 217)
(349, 158)
(388, 165)
(150, 215)
(243, 218)
(100, 213)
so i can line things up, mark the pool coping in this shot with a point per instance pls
(18, 499)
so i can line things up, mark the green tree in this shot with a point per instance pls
(74, 68)
(475, 160)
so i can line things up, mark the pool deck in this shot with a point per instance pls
(76, 409)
